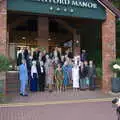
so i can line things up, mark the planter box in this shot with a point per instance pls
(2, 82)
(115, 84)
(12, 82)
(2, 99)
(98, 82)
(2, 86)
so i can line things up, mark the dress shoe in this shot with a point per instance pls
(25, 95)
(21, 94)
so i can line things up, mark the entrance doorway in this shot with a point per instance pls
(63, 32)
(59, 36)
(23, 32)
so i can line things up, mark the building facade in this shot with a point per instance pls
(77, 17)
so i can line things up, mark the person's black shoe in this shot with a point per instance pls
(21, 94)
(25, 95)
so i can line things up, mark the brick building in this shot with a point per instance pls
(91, 25)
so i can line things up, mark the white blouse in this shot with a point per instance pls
(33, 70)
(41, 69)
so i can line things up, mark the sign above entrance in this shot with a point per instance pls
(75, 3)
(89, 9)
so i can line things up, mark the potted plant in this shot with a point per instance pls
(4, 66)
(115, 81)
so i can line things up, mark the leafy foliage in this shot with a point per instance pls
(99, 72)
(4, 63)
(116, 3)
(117, 61)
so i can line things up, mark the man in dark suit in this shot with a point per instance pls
(41, 75)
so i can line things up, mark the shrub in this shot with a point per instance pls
(4, 63)
(99, 72)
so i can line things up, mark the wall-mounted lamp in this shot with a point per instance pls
(23, 38)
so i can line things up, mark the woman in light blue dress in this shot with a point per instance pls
(23, 77)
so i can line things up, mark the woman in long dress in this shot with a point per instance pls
(70, 65)
(75, 76)
(59, 77)
(50, 75)
(34, 77)
(46, 70)
(65, 75)
(23, 77)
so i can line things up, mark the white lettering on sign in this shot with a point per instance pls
(84, 4)
(68, 2)
(75, 3)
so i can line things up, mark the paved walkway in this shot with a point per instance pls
(83, 105)
(73, 111)
(56, 96)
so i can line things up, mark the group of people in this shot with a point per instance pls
(55, 71)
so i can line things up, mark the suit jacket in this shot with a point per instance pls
(82, 73)
(92, 71)
(44, 58)
(40, 70)
(19, 59)
(70, 55)
(34, 55)
(83, 57)
(86, 71)
(25, 53)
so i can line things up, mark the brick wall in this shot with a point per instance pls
(108, 49)
(76, 49)
(43, 28)
(3, 39)
(3, 27)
